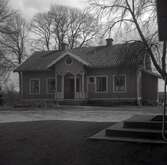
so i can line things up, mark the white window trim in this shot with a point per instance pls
(92, 77)
(106, 76)
(30, 86)
(47, 85)
(87, 81)
(125, 91)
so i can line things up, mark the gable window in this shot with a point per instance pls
(68, 61)
(51, 85)
(35, 86)
(119, 83)
(101, 84)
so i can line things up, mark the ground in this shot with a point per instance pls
(63, 142)
(77, 113)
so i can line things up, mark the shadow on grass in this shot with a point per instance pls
(66, 143)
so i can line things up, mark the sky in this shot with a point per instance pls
(30, 7)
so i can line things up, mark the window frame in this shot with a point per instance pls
(124, 91)
(106, 76)
(94, 77)
(30, 85)
(67, 59)
(51, 78)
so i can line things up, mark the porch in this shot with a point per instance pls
(70, 86)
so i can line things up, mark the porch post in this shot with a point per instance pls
(62, 85)
(75, 82)
(139, 94)
(55, 86)
(83, 84)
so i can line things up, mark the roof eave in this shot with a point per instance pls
(152, 73)
(70, 54)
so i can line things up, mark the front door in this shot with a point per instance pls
(69, 87)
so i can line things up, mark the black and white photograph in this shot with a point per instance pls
(83, 82)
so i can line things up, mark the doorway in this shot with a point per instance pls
(69, 92)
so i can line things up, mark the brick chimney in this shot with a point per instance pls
(109, 42)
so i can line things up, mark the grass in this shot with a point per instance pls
(66, 143)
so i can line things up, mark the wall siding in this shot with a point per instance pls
(149, 88)
(74, 68)
(42, 76)
(110, 72)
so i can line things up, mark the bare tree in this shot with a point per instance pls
(13, 44)
(5, 67)
(41, 28)
(73, 26)
(5, 14)
(138, 16)
(82, 29)
(63, 25)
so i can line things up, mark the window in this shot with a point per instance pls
(91, 80)
(35, 87)
(51, 85)
(120, 83)
(59, 83)
(101, 84)
(68, 61)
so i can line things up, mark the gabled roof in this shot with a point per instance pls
(69, 54)
(95, 57)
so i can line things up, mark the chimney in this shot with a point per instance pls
(64, 46)
(109, 42)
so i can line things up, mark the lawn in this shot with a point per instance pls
(66, 143)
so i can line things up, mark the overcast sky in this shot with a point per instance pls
(31, 7)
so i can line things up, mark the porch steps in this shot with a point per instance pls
(72, 102)
(140, 128)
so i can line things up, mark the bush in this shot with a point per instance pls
(10, 98)
(1, 97)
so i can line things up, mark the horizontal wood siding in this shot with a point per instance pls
(74, 68)
(42, 76)
(149, 88)
(130, 83)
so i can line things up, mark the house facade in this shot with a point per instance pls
(103, 74)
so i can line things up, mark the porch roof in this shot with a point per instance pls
(97, 57)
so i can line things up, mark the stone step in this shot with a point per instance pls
(144, 122)
(101, 136)
(118, 130)
(144, 125)
(139, 128)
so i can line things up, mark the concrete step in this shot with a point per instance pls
(118, 130)
(140, 128)
(144, 125)
(144, 122)
(101, 136)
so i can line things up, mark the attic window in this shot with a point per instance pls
(68, 61)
